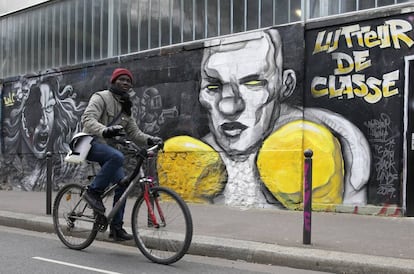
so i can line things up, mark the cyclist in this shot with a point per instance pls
(107, 115)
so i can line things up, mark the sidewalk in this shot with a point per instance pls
(341, 242)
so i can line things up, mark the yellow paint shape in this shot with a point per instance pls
(281, 163)
(192, 168)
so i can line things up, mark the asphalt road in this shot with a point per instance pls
(24, 251)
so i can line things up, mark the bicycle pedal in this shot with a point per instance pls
(101, 222)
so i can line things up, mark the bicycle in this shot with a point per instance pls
(161, 222)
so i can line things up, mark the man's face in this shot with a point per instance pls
(240, 88)
(38, 119)
(123, 83)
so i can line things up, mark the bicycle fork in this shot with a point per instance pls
(152, 201)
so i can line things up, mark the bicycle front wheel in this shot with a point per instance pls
(73, 220)
(169, 238)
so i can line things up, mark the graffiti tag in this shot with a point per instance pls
(383, 140)
(9, 100)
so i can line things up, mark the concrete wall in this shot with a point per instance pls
(237, 113)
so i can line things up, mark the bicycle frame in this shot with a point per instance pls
(132, 181)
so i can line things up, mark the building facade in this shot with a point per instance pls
(236, 106)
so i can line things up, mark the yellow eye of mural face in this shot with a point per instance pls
(255, 83)
(213, 87)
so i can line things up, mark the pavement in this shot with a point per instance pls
(340, 242)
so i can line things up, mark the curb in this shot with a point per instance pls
(262, 253)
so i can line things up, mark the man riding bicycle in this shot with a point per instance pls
(107, 115)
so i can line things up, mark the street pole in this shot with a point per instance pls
(49, 183)
(307, 197)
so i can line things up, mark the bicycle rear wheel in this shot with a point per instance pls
(73, 220)
(169, 242)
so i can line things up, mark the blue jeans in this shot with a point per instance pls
(111, 161)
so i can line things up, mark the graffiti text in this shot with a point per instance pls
(8, 100)
(388, 35)
(371, 89)
(347, 81)
(383, 140)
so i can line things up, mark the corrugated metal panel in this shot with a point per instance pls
(60, 33)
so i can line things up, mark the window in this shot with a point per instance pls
(67, 32)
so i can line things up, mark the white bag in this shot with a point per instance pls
(79, 148)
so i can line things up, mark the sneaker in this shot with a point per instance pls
(94, 200)
(120, 235)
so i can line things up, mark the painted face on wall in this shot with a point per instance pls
(240, 88)
(22, 88)
(38, 119)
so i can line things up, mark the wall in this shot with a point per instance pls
(363, 77)
(237, 113)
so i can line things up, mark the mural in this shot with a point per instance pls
(39, 116)
(363, 79)
(237, 114)
(42, 113)
(258, 135)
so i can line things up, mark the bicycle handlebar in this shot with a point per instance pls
(140, 153)
(129, 144)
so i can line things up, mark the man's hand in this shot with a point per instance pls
(154, 141)
(112, 131)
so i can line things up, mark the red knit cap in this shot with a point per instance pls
(120, 71)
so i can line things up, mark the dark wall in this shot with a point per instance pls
(357, 70)
(349, 84)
